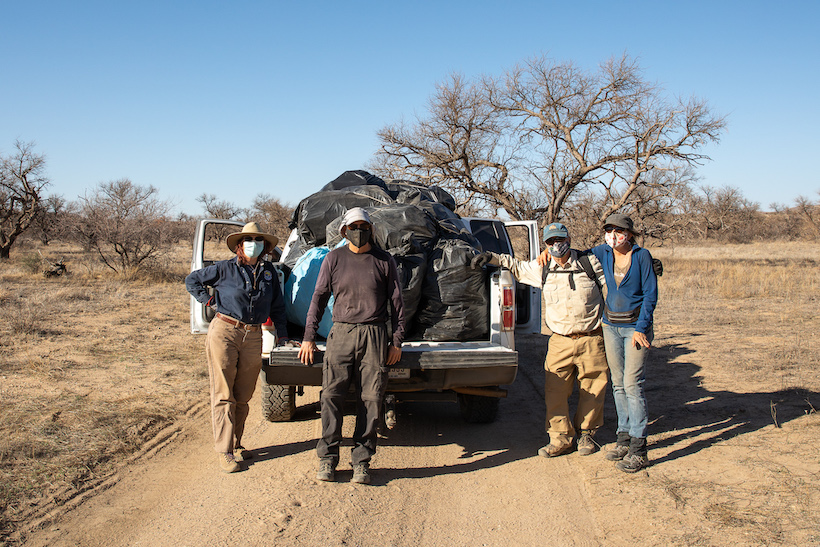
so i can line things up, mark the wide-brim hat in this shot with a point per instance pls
(620, 221)
(251, 229)
(354, 215)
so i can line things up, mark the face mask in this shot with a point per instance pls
(615, 239)
(359, 238)
(253, 248)
(559, 248)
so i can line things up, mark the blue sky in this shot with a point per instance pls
(240, 98)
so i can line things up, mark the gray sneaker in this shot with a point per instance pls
(327, 471)
(361, 473)
(632, 463)
(617, 453)
(586, 445)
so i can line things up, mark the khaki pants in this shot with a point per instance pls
(234, 361)
(581, 360)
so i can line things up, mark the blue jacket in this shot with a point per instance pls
(639, 286)
(248, 294)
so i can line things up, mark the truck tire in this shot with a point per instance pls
(476, 409)
(278, 402)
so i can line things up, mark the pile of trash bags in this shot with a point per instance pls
(444, 299)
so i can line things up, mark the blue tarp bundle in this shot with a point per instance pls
(299, 290)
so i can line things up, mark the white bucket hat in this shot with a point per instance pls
(354, 215)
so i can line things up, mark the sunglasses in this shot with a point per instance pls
(608, 229)
(552, 240)
(259, 238)
(358, 225)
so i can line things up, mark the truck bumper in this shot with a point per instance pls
(432, 366)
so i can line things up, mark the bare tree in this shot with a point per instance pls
(52, 220)
(22, 180)
(526, 142)
(722, 213)
(126, 224)
(272, 215)
(810, 212)
(457, 147)
(220, 208)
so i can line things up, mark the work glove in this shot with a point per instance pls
(480, 260)
(657, 267)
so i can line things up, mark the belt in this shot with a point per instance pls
(236, 323)
(577, 335)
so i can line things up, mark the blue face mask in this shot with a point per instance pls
(253, 248)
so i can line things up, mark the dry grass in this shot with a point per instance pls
(737, 383)
(91, 365)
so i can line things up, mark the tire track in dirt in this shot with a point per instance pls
(436, 480)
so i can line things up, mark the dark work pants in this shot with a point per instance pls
(356, 353)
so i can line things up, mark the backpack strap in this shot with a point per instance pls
(586, 265)
(583, 260)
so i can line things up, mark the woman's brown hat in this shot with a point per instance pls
(251, 229)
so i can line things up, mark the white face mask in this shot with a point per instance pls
(614, 239)
(253, 248)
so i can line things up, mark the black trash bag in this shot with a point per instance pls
(395, 226)
(412, 269)
(406, 191)
(454, 300)
(354, 178)
(315, 212)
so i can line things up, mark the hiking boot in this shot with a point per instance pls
(228, 463)
(327, 471)
(633, 463)
(621, 448)
(361, 473)
(586, 445)
(552, 450)
(240, 454)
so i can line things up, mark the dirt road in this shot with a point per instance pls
(437, 480)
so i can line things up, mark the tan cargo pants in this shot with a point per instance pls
(581, 360)
(234, 360)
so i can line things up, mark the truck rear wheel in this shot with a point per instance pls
(278, 402)
(476, 409)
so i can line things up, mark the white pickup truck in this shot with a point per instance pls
(471, 373)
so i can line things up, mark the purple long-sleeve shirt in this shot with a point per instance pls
(362, 285)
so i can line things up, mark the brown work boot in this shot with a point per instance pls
(586, 445)
(228, 463)
(552, 450)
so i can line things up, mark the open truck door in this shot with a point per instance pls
(209, 247)
(524, 237)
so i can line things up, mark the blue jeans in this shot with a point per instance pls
(626, 369)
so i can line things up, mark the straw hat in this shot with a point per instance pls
(250, 229)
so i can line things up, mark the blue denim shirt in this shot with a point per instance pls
(249, 294)
(639, 287)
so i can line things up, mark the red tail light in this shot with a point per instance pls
(507, 308)
(507, 298)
